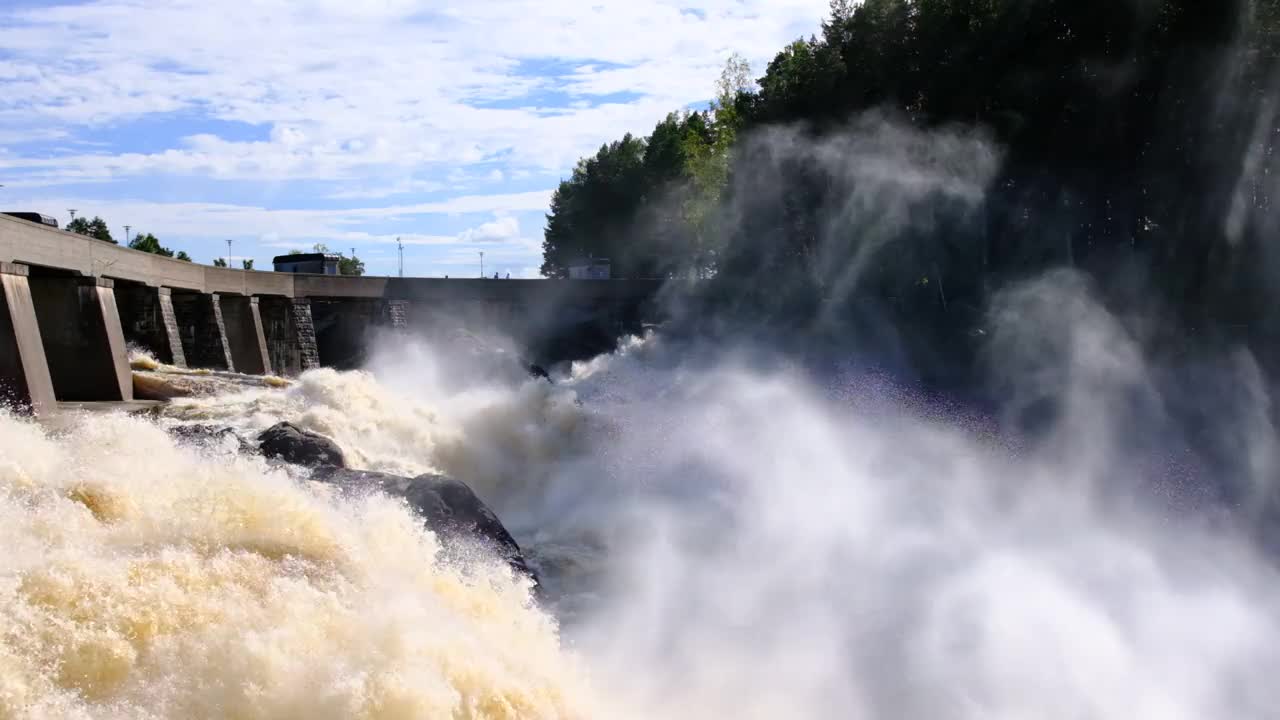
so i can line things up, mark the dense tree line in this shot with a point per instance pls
(146, 242)
(918, 155)
(95, 228)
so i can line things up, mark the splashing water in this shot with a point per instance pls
(145, 581)
(716, 539)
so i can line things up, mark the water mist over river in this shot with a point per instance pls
(718, 537)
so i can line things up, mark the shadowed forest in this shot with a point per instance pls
(886, 179)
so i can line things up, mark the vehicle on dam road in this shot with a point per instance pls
(34, 217)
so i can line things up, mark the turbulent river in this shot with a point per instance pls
(716, 540)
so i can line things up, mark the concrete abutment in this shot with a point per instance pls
(149, 322)
(289, 334)
(83, 338)
(202, 331)
(25, 382)
(246, 340)
(345, 327)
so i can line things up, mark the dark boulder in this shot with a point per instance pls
(537, 371)
(301, 447)
(449, 508)
(208, 435)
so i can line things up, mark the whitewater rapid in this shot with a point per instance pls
(145, 580)
(718, 538)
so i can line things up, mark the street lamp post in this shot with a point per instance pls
(228, 252)
(126, 234)
(482, 264)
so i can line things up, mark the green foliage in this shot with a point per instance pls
(219, 262)
(246, 264)
(146, 242)
(182, 255)
(1130, 135)
(95, 228)
(667, 185)
(350, 266)
(592, 212)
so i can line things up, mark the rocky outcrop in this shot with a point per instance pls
(448, 507)
(292, 444)
(537, 371)
(209, 435)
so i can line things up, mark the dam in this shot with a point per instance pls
(72, 304)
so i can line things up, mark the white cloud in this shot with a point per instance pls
(503, 228)
(279, 227)
(415, 110)
(351, 88)
(402, 187)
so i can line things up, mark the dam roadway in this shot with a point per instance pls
(72, 304)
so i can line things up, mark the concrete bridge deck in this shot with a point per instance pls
(71, 302)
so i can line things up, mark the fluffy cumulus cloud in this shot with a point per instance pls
(330, 120)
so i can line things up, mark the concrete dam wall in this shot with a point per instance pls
(71, 304)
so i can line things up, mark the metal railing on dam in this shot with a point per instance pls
(71, 303)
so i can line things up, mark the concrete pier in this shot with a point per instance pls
(173, 339)
(83, 338)
(25, 382)
(305, 334)
(147, 315)
(204, 335)
(342, 329)
(289, 334)
(394, 314)
(246, 340)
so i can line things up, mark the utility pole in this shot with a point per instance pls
(400, 248)
(228, 252)
(481, 264)
(73, 214)
(126, 234)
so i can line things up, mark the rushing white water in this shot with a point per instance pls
(718, 540)
(143, 580)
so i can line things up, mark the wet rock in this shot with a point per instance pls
(209, 435)
(448, 506)
(292, 444)
(537, 371)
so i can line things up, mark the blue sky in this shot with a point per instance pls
(280, 124)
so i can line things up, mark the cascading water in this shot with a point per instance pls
(717, 538)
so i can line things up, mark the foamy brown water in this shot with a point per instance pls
(143, 580)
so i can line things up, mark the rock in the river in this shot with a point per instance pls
(537, 371)
(448, 506)
(300, 447)
(209, 435)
